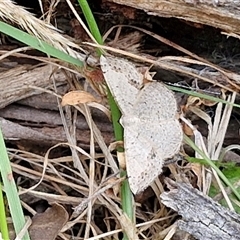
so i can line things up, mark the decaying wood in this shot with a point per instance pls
(222, 14)
(16, 83)
(28, 116)
(35, 126)
(45, 100)
(201, 216)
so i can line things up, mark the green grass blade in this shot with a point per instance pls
(201, 95)
(127, 205)
(91, 21)
(11, 190)
(116, 115)
(3, 220)
(211, 164)
(37, 44)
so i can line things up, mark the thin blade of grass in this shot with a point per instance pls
(11, 190)
(211, 164)
(37, 44)
(201, 95)
(3, 220)
(91, 21)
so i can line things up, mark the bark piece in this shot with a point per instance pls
(202, 217)
(45, 136)
(44, 100)
(223, 14)
(28, 116)
(15, 83)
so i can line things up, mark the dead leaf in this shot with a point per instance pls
(197, 169)
(193, 101)
(208, 103)
(187, 130)
(77, 97)
(196, 101)
(115, 145)
(47, 225)
(114, 191)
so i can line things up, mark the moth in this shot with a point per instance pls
(152, 132)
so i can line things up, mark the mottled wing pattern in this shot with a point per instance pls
(157, 105)
(143, 160)
(151, 131)
(123, 80)
(151, 134)
(155, 102)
